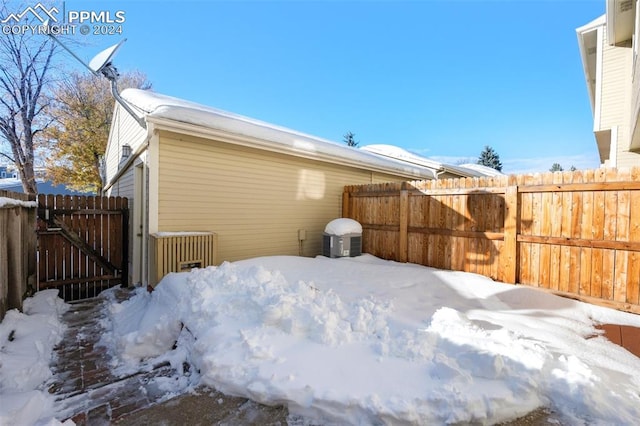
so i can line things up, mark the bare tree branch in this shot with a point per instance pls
(25, 62)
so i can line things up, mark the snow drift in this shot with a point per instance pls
(367, 341)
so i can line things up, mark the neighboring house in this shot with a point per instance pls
(10, 181)
(441, 170)
(196, 168)
(8, 172)
(609, 48)
(44, 187)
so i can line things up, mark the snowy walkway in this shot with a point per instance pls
(88, 393)
(85, 389)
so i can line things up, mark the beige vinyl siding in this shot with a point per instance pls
(256, 201)
(382, 178)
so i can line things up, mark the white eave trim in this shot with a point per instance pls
(582, 33)
(246, 140)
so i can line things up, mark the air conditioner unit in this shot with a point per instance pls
(180, 252)
(342, 238)
(348, 245)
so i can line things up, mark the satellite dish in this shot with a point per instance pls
(102, 59)
(101, 64)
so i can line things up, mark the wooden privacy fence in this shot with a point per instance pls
(573, 233)
(82, 244)
(17, 248)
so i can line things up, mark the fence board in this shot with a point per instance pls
(545, 230)
(575, 232)
(565, 232)
(576, 229)
(633, 264)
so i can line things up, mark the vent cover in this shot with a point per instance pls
(180, 252)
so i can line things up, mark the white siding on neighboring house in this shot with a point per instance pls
(615, 97)
(254, 200)
(124, 186)
(124, 130)
(615, 102)
(614, 85)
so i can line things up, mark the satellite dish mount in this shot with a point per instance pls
(101, 64)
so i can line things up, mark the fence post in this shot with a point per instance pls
(346, 200)
(125, 243)
(510, 256)
(403, 240)
(32, 246)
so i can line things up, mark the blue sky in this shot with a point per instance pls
(439, 78)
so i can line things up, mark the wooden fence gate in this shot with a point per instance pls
(82, 244)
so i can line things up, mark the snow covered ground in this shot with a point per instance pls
(367, 341)
(27, 340)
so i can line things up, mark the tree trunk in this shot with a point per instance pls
(28, 177)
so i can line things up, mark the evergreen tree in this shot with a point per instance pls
(349, 139)
(556, 167)
(490, 158)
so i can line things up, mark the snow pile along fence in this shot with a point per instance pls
(17, 248)
(573, 233)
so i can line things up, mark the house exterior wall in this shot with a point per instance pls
(635, 90)
(618, 90)
(616, 79)
(255, 200)
(614, 82)
(126, 130)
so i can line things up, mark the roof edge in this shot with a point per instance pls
(365, 161)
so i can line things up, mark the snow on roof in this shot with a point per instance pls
(395, 152)
(9, 183)
(400, 154)
(486, 171)
(269, 136)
